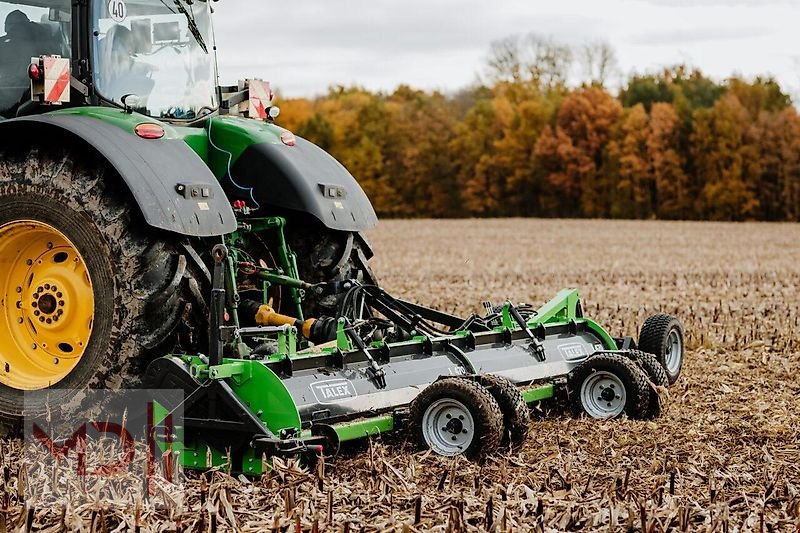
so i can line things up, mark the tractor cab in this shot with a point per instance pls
(160, 51)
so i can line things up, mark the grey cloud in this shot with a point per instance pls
(370, 42)
(305, 46)
(707, 3)
(697, 35)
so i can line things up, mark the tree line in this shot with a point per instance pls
(529, 141)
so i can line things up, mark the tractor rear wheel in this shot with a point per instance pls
(456, 416)
(325, 255)
(87, 289)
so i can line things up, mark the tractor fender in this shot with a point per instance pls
(303, 178)
(172, 186)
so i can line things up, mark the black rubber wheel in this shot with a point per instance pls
(516, 416)
(457, 416)
(662, 336)
(138, 278)
(657, 377)
(325, 255)
(608, 385)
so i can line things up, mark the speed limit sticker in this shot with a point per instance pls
(118, 10)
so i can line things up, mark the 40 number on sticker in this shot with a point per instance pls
(117, 10)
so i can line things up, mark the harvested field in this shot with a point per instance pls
(724, 456)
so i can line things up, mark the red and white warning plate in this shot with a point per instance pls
(56, 79)
(260, 98)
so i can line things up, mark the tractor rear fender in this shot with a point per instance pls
(303, 178)
(174, 189)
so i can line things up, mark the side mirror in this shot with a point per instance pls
(59, 15)
(130, 101)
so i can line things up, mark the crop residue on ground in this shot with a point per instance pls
(724, 456)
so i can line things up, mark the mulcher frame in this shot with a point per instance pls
(248, 400)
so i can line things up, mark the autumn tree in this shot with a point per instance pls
(724, 150)
(572, 152)
(598, 62)
(672, 194)
(416, 157)
(673, 144)
(632, 174)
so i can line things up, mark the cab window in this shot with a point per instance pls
(29, 31)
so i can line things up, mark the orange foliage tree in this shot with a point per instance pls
(674, 145)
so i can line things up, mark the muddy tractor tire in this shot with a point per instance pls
(89, 291)
(325, 255)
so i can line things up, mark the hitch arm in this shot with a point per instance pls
(535, 346)
(375, 372)
(217, 318)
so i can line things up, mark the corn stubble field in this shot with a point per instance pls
(723, 457)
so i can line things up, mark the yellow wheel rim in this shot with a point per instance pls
(46, 305)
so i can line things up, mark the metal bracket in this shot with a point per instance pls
(535, 345)
(217, 319)
(375, 372)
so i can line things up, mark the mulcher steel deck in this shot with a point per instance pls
(296, 401)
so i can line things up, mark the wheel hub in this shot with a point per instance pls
(47, 305)
(608, 394)
(454, 426)
(674, 352)
(448, 427)
(603, 395)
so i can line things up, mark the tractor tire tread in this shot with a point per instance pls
(145, 295)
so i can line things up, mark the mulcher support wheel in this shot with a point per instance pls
(662, 336)
(516, 415)
(457, 416)
(657, 377)
(608, 385)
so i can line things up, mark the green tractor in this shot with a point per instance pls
(121, 161)
(146, 210)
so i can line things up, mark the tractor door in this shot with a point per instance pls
(29, 28)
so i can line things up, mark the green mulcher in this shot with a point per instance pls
(146, 209)
(459, 385)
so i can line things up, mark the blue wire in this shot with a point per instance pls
(230, 161)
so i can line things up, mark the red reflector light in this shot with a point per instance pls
(34, 72)
(149, 131)
(287, 137)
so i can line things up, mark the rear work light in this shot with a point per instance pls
(149, 131)
(287, 137)
(34, 72)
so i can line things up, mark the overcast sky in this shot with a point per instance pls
(304, 46)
